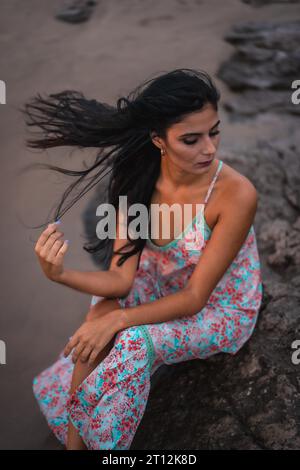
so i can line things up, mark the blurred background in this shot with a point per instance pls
(105, 49)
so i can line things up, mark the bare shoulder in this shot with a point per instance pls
(237, 190)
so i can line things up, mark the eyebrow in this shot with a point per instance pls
(200, 133)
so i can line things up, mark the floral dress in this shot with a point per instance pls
(107, 407)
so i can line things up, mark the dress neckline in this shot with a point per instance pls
(183, 234)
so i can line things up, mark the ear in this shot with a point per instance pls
(156, 140)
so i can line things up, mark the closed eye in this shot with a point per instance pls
(192, 142)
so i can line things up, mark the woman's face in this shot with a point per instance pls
(193, 140)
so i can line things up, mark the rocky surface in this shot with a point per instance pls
(263, 66)
(262, 3)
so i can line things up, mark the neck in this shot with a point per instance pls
(176, 178)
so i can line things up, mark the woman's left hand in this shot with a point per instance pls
(92, 337)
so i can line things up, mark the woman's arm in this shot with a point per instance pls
(239, 205)
(109, 284)
(116, 282)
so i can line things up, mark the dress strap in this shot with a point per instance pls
(213, 182)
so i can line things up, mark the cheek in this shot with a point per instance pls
(217, 141)
(184, 154)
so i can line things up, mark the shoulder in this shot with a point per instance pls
(237, 192)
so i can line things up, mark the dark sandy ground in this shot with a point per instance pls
(123, 43)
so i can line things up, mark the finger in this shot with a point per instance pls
(51, 257)
(46, 249)
(93, 355)
(85, 353)
(71, 344)
(61, 252)
(45, 235)
(80, 347)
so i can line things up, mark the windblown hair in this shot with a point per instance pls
(127, 155)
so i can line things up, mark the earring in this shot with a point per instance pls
(162, 151)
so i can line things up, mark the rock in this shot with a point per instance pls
(284, 239)
(262, 3)
(263, 67)
(251, 102)
(77, 11)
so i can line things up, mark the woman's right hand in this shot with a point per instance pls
(50, 251)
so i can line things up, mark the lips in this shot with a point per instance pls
(205, 163)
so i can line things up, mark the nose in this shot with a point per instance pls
(208, 146)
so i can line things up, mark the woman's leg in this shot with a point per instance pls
(108, 406)
(83, 369)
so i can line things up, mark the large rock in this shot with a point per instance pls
(252, 102)
(262, 3)
(263, 67)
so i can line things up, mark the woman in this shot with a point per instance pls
(196, 295)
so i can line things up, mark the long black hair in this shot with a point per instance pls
(127, 155)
